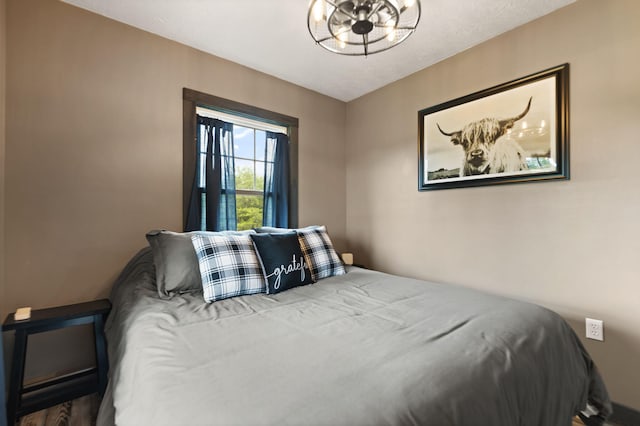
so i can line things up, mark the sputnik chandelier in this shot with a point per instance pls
(362, 27)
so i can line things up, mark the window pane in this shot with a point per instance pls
(202, 160)
(243, 142)
(259, 176)
(203, 139)
(249, 211)
(203, 212)
(202, 181)
(245, 177)
(261, 140)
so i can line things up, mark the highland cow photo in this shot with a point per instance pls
(514, 132)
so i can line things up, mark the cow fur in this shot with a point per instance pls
(486, 149)
(507, 156)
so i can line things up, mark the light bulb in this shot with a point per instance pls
(342, 39)
(409, 3)
(389, 30)
(318, 10)
(391, 35)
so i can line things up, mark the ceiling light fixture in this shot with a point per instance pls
(362, 27)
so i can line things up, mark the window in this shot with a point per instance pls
(250, 161)
(250, 156)
(250, 151)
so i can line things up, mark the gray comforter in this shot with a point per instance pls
(366, 348)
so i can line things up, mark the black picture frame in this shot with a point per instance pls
(510, 133)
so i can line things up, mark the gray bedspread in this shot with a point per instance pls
(366, 348)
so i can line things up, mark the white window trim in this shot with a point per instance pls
(240, 121)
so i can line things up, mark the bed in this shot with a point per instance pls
(365, 348)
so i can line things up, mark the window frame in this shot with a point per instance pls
(254, 160)
(191, 99)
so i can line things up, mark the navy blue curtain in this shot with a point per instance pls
(212, 205)
(226, 220)
(276, 181)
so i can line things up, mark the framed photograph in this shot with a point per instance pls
(515, 132)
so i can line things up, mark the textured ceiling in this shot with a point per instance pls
(272, 36)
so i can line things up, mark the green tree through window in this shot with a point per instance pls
(248, 206)
(250, 163)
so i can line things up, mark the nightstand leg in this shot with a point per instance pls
(17, 376)
(101, 353)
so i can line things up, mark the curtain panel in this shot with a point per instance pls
(212, 205)
(276, 181)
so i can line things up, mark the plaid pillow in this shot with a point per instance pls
(322, 259)
(228, 266)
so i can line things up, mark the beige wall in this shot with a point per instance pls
(94, 146)
(570, 245)
(3, 51)
(93, 160)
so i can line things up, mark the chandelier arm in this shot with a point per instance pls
(332, 36)
(396, 28)
(374, 10)
(349, 14)
(320, 40)
(337, 33)
(348, 21)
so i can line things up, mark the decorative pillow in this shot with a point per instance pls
(176, 262)
(319, 253)
(282, 261)
(228, 265)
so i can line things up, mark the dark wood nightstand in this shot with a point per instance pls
(24, 400)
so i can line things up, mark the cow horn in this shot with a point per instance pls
(508, 123)
(445, 133)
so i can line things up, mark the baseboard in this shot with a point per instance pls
(624, 416)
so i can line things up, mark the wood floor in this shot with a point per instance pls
(577, 422)
(83, 412)
(79, 412)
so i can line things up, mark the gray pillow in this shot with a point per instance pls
(176, 263)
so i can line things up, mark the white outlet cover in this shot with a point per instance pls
(594, 329)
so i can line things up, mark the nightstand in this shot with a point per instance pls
(24, 400)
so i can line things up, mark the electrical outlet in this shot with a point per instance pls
(595, 329)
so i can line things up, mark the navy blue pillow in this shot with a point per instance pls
(282, 261)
